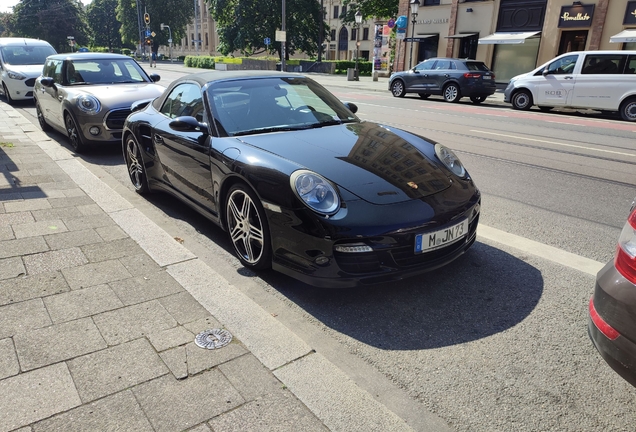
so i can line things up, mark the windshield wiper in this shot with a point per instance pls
(269, 129)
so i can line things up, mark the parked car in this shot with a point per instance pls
(452, 78)
(88, 95)
(612, 309)
(600, 80)
(21, 62)
(299, 182)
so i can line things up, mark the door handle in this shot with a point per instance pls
(60, 98)
(425, 75)
(568, 77)
(158, 139)
(446, 75)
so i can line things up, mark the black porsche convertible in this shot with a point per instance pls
(299, 182)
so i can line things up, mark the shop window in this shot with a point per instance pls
(572, 41)
(430, 2)
(468, 47)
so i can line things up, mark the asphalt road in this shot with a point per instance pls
(497, 340)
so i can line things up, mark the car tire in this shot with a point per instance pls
(43, 124)
(135, 165)
(424, 95)
(397, 88)
(628, 110)
(522, 100)
(248, 228)
(7, 96)
(74, 135)
(452, 93)
(477, 99)
(545, 108)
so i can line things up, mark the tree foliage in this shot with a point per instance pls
(371, 9)
(4, 23)
(243, 25)
(50, 20)
(102, 20)
(174, 13)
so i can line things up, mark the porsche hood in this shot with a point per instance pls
(367, 159)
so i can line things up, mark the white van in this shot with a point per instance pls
(601, 80)
(21, 62)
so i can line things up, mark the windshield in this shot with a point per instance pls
(258, 105)
(25, 55)
(104, 71)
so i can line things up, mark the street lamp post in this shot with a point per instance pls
(358, 22)
(163, 26)
(415, 5)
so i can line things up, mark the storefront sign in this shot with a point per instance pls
(576, 16)
(630, 13)
(434, 21)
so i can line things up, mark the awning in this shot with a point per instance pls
(420, 37)
(628, 35)
(507, 38)
(460, 36)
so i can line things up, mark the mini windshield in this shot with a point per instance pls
(104, 71)
(259, 105)
(25, 55)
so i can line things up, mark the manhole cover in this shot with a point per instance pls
(213, 339)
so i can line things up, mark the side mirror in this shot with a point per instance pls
(47, 81)
(351, 106)
(155, 77)
(188, 124)
(545, 72)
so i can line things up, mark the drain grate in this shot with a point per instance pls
(213, 339)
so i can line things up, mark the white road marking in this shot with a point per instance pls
(555, 143)
(541, 250)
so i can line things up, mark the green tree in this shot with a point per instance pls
(50, 20)
(102, 20)
(4, 23)
(243, 25)
(174, 13)
(371, 9)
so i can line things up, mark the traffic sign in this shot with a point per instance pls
(267, 41)
(153, 34)
(147, 33)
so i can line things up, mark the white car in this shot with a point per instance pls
(601, 80)
(21, 62)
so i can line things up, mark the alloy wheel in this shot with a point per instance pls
(73, 133)
(43, 124)
(135, 166)
(451, 93)
(397, 88)
(245, 227)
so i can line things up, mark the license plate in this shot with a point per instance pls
(487, 77)
(439, 239)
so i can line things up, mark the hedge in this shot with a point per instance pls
(365, 67)
(202, 62)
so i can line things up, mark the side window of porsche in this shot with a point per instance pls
(184, 100)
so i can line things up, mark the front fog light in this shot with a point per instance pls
(94, 131)
(353, 248)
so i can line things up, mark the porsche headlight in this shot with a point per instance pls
(450, 160)
(15, 75)
(315, 191)
(88, 104)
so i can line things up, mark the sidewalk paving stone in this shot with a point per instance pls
(184, 308)
(199, 359)
(72, 239)
(250, 377)
(95, 274)
(9, 365)
(170, 338)
(71, 201)
(91, 221)
(110, 233)
(173, 405)
(115, 249)
(81, 303)
(33, 229)
(7, 219)
(11, 268)
(145, 288)
(64, 213)
(21, 206)
(31, 287)
(23, 316)
(140, 265)
(119, 412)
(36, 395)
(134, 321)
(54, 260)
(21, 247)
(176, 361)
(6, 233)
(114, 369)
(59, 342)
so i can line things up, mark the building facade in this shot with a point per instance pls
(514, 36)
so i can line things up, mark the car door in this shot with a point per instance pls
(441, 73)
(556, 82)
(49, 97)
(602, 83)
(418, 79)
(185, 156)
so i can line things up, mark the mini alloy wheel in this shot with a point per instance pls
(73, 133)
(397, 88)
(247, 228)
(522, 100)
(451, 93)
(135, 164)
(10, 100)
(43, 124)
